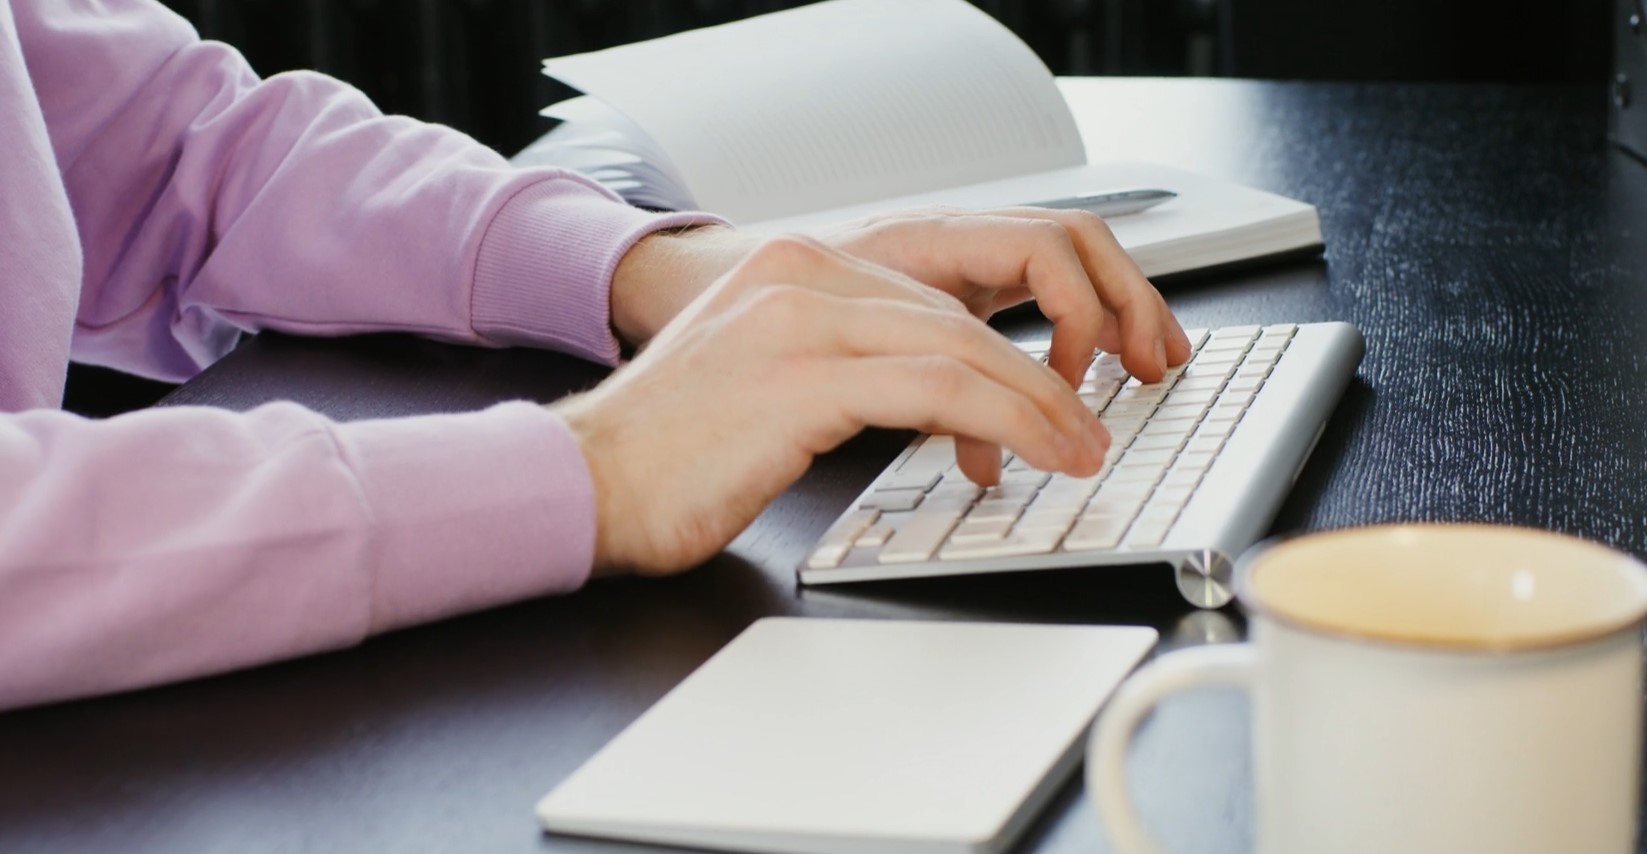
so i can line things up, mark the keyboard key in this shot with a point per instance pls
(1119, 493)
(1187, 477)
(1136, 458)
(1243, 384)
(1168, 496)
(913, 479)
(1198, 397)
(1172, 413)
(1002, 509)
(1147, 533)
(835, 543)
(1138, 473)
(1266, 354)
(1108, 365)
(1082, 486)
(1118, 424)
(1141, 394)
(1025, 477)
(1096, 532)
(918, 538)
(1013, 545)
(936, 454)
(1218, 370)
(1242, 332)
(1173, 427)
(1100, 386)
(1057, 500)
(1157, 515)
(1054, 523)
(981, 529)
(1196, 461)
(1171, 441)
(892, 499)
(945, 504)
(1009, 492)
(1207, 444)
(875, 535)
(965, 491)
(1139, 409)
(1196, 337)
(1094, 403)
(954, 480)
(1220, 427)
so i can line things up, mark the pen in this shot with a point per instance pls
(1119, 203)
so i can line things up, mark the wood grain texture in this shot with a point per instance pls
(1490, 246)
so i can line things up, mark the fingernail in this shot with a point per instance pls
(1161, 355)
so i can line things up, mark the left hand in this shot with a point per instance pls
(1067, 261)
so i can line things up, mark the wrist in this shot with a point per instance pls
(575, 412)
(665, 270)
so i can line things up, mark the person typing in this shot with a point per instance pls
(160, 200)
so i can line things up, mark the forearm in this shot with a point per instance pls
(129, 558)
(210, 201)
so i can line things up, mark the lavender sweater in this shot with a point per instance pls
(156, 200)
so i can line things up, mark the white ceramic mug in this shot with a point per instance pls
(1421, 688)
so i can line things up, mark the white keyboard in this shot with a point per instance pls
(1198, 465)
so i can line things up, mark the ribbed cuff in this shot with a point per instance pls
(471, 510)
(543, 276)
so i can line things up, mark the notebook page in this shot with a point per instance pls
(836, 104)
(1212, 221)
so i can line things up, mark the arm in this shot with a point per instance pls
(210, 201)
(128, 557)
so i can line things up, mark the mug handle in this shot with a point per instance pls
(1214, 664)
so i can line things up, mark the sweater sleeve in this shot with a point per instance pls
(128, 557)
(210, 201)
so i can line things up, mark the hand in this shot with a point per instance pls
(1068, 261)
(795, 350)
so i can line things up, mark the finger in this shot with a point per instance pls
(1012, 252)
(938, 394)
(979, 461)
(887, 328)
(1109, 330)
(1149, 337)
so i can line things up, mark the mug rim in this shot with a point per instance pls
(1251, 604)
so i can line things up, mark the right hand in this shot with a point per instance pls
(787, 356)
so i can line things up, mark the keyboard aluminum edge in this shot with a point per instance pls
(1051, 560)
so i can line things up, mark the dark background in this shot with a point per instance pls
(473, 64)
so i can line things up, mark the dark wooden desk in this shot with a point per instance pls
(1487, 241)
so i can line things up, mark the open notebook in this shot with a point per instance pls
(852, 107)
